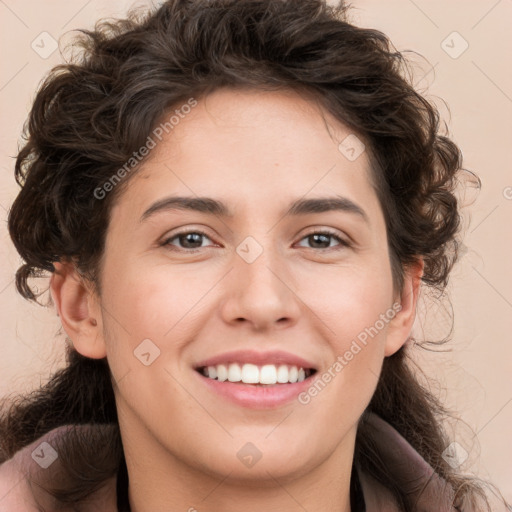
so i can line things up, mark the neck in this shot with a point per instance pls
(168, 483)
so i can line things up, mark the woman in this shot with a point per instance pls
(237, 203)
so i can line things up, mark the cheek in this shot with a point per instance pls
(354, 308)
(151, 300)
(348, 299)
(347, 382)
(144, 327)
(159, 304)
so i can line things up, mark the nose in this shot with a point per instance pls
(261, 294)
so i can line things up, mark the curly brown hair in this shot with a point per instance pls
(90, 115)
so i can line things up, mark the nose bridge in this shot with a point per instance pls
(259, 291)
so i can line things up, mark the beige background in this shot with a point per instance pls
(475, 377)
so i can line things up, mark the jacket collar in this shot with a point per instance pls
(424, 489)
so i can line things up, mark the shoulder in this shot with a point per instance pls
(36, 469)
(422, 487)
(15, 490)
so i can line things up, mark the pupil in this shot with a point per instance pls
(189, 238)
(325, 237)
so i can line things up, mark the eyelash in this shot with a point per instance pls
(342, 243)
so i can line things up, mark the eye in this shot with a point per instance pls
(320, 239)
(191, 240)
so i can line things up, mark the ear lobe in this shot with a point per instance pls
(399, 328)
(78, 311)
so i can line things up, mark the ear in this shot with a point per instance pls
(399, 328)
(78, 309)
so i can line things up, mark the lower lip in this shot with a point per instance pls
(257, 397)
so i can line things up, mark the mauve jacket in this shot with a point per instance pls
(425, 490)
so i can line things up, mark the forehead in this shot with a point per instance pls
(240, 144)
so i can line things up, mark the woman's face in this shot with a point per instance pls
(257, 280)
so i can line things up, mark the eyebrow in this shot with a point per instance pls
(214, 207)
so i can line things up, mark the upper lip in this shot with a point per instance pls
(275, 357)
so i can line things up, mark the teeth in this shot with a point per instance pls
(268, 374)
(250, 374)
(222, 372)
(234, 373)
(253, 374)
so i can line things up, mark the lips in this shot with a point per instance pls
(257, 396)
(275, 357)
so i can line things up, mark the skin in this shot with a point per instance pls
(181, 440)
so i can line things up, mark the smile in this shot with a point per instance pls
(257, 395)
(248, 373)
